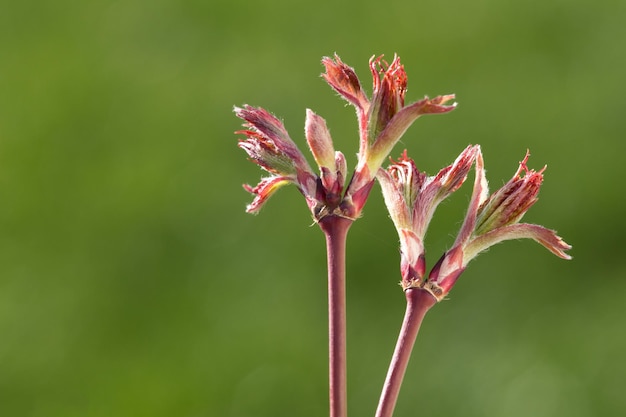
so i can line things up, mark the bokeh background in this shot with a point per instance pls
(132, 283)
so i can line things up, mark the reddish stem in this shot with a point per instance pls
(419, 301)
(336, 230)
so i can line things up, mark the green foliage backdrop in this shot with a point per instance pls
(132, 283)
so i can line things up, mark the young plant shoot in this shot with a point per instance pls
(336, 197)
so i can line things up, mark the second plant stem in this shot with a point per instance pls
(336, 230)
(419, 301)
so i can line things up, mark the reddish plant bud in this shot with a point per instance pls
(344, 80)
(412, 198)
(493, 219)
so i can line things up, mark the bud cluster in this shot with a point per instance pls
(411, 198)
(383, 119)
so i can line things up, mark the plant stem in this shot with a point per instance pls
(336, 230)
(419, 301)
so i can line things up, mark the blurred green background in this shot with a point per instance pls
(132, 283)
